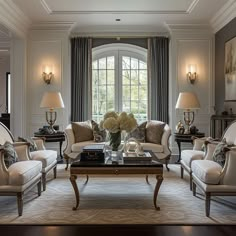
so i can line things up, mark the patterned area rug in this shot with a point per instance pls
(117, 200)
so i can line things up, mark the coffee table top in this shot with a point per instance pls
(118, 162)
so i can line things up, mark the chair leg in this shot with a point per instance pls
(166, 162)
(67, 164)
(20, 203)
(39, 185)
(191, 180)
(181, 172)
(55, 172)
(194, 188)
(44, 181)
(207, 204)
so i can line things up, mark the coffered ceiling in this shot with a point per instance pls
(118, 15)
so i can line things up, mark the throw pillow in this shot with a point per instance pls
(98, 134)
(139, 133)
(220, 152)
(10, 155)
(32, 147)
(154, 131)
(82, 131)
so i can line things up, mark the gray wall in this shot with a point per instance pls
(222, 36)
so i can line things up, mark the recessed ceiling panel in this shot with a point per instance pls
(136, 6)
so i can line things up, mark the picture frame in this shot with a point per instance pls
(230, 70)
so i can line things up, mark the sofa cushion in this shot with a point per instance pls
(220, 152)
(187, 156)
(154, 131)
(207, 171)
(45, 156)
(10, 155)
(22, 172)
(139, 133)
(82, 131)
(99, 135)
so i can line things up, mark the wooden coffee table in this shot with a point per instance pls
(130, 168)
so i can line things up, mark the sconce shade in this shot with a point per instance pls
(192, 73)
(52, 100)
(47, 73)
(187, 100)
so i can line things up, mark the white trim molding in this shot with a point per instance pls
(224, 16)
(13, 18)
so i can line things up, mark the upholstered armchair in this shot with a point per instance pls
(47, 157)
(197, 153)
(20, 176)
(212, 178)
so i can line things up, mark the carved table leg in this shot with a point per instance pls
(74, 184)
(147, 179)
(158, 184)
(87, 178)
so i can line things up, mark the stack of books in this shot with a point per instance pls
(93, 153)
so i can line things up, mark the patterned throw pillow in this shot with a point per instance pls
(82, 131)
(139, 133)
(32, 147)
(10, 155)
(98, 134)
(220, 152)
(154, 131)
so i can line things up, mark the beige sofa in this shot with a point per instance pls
(161, 151)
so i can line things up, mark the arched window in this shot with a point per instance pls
(119, 81)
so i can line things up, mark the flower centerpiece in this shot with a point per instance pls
(115, 123)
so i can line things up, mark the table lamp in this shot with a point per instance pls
(187, 101)
(51, 100)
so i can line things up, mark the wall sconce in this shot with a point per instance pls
(192, 73)
(47, 74)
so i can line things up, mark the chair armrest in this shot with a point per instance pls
(3, 169)
(165, 139)
(39, 141)
(22, 150)
(70, 139)
(228, 172)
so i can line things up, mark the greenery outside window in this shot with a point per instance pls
(119, 81)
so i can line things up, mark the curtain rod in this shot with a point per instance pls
(119, 35)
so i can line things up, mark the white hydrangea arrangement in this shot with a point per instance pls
(115, 122)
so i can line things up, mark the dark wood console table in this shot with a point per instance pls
(219, 123)
(185, 138)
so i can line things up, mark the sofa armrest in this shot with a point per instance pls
(70, 139)
(165, 139)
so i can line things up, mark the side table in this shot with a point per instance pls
(185, 138)
(57, 137)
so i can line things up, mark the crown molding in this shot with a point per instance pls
(13, 18)
(52, 12)
(189, 28)
(224, 16)
(53, 25)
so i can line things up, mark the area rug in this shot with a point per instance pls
(117, 200)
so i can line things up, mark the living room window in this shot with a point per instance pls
(119, 81)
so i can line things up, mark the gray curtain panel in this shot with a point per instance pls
(81, 54)
(158, 72)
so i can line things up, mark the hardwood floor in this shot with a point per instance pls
(115, 230)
